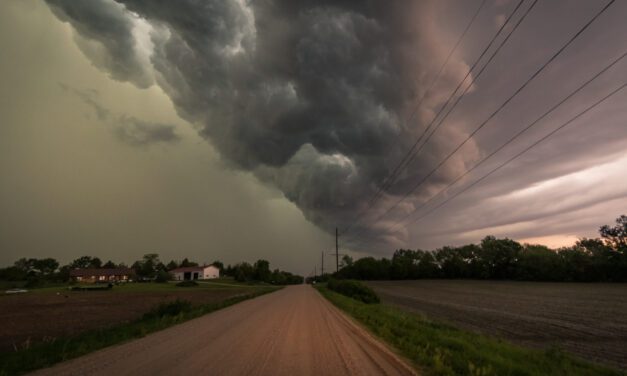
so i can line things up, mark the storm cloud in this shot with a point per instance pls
(314, 97)
(127, 129)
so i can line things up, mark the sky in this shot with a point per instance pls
(238, 130)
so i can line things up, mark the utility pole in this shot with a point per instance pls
(322, 272)
(337, 253)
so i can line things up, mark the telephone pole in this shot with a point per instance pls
(337, 253)
(322, 272)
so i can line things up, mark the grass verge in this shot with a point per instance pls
(439, 349)
(46, 354)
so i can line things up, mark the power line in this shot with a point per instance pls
(524, 151)
(400, 165)
(503, 105)
(512, 139)
(437, 76)
(411, 152)
(544, 138)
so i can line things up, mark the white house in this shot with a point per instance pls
(195, 272)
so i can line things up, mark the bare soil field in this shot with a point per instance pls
(36, 316)
(586, 319)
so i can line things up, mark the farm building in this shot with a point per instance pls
(102, 275)
(195, 272)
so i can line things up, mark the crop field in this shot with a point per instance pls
(586, 319)
(47, 314)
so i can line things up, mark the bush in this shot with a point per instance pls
(187, 284)
(163, 276)
(169, 309)
(354, 289)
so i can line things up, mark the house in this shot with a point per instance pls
(195, 272)
(102, 275)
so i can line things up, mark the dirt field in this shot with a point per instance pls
(589, 320)
(37, 316)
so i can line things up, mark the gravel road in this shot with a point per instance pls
(294, 331)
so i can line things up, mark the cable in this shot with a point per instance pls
(401, 164)
(518, 91)
(527, 149)
(512, 139)
(524, 151)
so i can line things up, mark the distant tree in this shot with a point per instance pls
(109, 265)
(85, 262)
(346, 261)
(538, 263)
(163, 276)
(616, 236)
(148, 266)
(186, 263)
(243, 272)
(40, 267)
(172, 265)
(427, 267)
(262, 271)
(219, 265)
(499, 256)
(13, 273)
(451, 263)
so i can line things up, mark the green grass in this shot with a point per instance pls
(152, 287)
(439, 349)
(46, 354)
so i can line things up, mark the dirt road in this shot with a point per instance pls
(294, 331)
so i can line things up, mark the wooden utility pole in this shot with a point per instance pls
(322, 272)
(337, 253)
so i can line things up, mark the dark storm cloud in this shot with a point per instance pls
(127, 129)
(105, 35)
(312, 96)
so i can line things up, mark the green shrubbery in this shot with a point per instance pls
(354, 289)
(169, 309)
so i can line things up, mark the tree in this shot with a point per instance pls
(85, 262)
(346, 261)
(172, 265)
(219, 265)
(109, 265)
(186, 263)
(616, 237)
(499, 257)
(149, 266)
(243, 272)
(262, 271)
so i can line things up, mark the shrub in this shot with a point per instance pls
(163, 276)
(187, 284)
(354, 289)
(169, 309)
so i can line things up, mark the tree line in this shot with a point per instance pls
(601, 259)
(35, 272)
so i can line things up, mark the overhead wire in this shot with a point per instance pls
(503, 105)
(392, 176)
